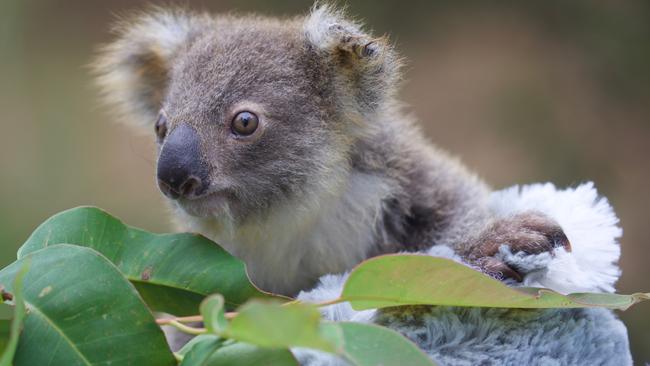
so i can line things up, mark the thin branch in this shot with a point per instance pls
(189, 319)
(186, 329)
(330, 302)
(180, 319)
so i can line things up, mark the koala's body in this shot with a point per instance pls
(283, 141)
(332, 173)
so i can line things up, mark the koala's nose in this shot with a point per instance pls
(182, 171)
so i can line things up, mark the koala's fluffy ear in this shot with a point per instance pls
(369, 66)
(133, 70)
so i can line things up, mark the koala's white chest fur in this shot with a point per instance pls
(298, 242)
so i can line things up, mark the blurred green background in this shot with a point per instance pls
(524, 91)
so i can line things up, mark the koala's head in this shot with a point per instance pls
(246, 110)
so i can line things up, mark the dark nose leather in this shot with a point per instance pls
(182, 172)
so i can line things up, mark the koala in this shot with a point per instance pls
(283, 140)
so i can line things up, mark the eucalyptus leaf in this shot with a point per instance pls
(393, 280)
(6, 310)
(173, 272)
(199, 350)
(212, 310)
(19, 315)
(82, 311)
(273, 325)
(5, 334)
(372, 345)
(276, 326)
(209, 351)
(199, 338)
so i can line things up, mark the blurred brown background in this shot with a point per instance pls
(524, 91)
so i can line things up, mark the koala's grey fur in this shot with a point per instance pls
(475, 336)
(336, 172)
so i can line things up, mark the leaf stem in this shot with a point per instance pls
(180, 319)
(330, 302)
(186, 329)
(189, 319)
(178, 357)
(292, 302)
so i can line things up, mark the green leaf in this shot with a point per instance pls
(209, 351)
(5, 333)
(82, 311)
(199, 338)
(372, 345)
(172, 272)
(394, 280)
(214, 317)
(6, 310)
(19, 315)
(198, 350)
(275, 326)
(272, 325)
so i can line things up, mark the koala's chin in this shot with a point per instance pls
(214, 205)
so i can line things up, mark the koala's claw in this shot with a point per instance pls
(529, 232)
(497, 269)
(559, 239)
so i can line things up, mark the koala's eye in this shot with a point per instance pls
(244, 123)
(161, 126)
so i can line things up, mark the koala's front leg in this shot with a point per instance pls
(530, 232)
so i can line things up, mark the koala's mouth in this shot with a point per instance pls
(210, 205)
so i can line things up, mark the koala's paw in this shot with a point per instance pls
(516, 237)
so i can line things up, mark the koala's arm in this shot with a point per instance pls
(438, 201)
(434, 198)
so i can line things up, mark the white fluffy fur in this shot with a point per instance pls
(321, 23)
(304, 230)
(591, 226)
(457, 336)
(158, 33)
